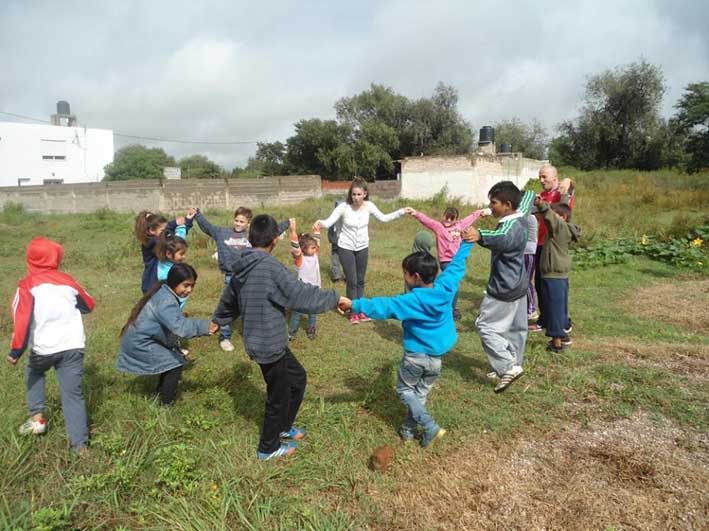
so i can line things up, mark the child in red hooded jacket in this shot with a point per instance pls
(46, 311)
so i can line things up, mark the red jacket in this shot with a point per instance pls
(552, 196)
(48, 304)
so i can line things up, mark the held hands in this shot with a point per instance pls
(192, 212)
(11, 360)
(538, 200)
(292, 225)
(410, 211)
(317, 226)
(213, 328)
(485, 212)
(345, 305)
(471, 234)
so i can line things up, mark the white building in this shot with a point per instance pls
(35, 154)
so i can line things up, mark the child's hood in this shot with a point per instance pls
(433, 300)
(43, 255)
(245, 263)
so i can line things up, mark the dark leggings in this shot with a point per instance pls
(354, 264)
(285, 386)
(167, 385)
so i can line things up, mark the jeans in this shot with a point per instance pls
(335, 266)
(285, 387)
(502, 327)
(69, 366)
(354, 264)
(225, 330)
(555, 294)
(529, 263)
(417, 373)
(295, 321)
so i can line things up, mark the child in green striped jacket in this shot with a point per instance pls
(502, 323)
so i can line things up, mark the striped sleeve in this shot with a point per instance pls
(526, 203)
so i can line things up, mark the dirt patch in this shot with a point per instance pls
(680, 303)
(628, 474)
(690, 360)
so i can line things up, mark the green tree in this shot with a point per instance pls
(530, 139)
(692, 123)
(200, 167)
(620, 124)
(270, 158)
(315, 149)
(138, 162)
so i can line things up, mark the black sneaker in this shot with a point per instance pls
(291, 336)
(554, 349)
(456, 314)
(311, 332)
(566, 341)
(570, 328)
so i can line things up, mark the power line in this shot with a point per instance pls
(149, 138)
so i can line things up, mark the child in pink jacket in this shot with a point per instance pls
(448, 232)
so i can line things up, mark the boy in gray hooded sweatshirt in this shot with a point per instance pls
(260, 290)
(502, 323)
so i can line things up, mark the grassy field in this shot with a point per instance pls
(612, 434)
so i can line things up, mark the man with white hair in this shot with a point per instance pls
(552, 192)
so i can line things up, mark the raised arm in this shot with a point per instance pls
(472, 218)
(385, 218)
(332, 218)
(526, 203)
(454, 273)
(205, 225)
(427, 222)
(295, 250)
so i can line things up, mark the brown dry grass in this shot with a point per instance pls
(687, 359)
(685, 304)
(627, 474)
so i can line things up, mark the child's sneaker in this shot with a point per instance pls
(284, 450)
(536, 327)
(492, 375)
(570, 328)
(363, 318)
(291, 335)
(456, 314)
(33, 427)
(566, 341)
(294, 433)
(406, 434)
(311, 332)
(354, 318)
(226, 345)
(507, 378)
(429, 439)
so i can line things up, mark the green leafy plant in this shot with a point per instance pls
(177, 467)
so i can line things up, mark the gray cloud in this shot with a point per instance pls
(226, 71)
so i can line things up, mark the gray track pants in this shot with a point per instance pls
(503, 332)
(69, 366)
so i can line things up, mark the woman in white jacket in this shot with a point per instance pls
(353, 239)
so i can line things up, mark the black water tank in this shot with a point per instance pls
(63, 108)
(487, 134)
(505, 148)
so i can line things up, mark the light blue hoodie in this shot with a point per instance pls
(426, 313)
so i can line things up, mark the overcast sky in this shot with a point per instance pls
(227, 70)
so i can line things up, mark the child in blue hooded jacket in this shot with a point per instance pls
(429, 332)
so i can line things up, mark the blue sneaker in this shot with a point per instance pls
(429, 438)
(294, 433)
(284, 450)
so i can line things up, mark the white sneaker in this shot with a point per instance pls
(226, 345)
(492, 375)
(507, 378)
(33, 427)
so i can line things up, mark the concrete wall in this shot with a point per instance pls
(171, 196)
(466, 177)
(37, 152)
